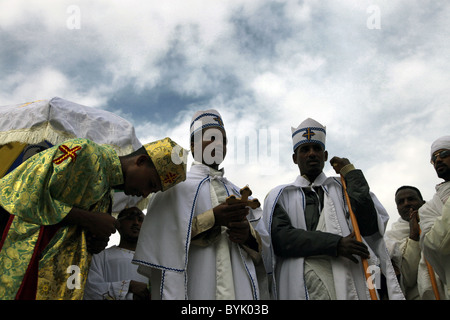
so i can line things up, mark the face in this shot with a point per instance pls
(210, 148)
(310, 158)
(130, 224)
(407, 199)
(141, 179)
(441, 163)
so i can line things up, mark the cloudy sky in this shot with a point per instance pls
(376, 73)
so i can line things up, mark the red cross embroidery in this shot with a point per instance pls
(170, 177)
(308, 134)
(67, 153)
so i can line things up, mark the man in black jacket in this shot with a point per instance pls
(313, 252)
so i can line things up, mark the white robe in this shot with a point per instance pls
(110, 274)
(398, 242)
(287, 275)
(435, 237)
(164, 252)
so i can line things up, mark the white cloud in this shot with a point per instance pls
(46, 83)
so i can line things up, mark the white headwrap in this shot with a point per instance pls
(441, 143)
(206, 119)
(309, 131)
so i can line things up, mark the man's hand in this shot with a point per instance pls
(101, 224)
(139, 290)
(233, 216)
(338, 163)
(349, 246)
(98, 225)
(414, 228)
(239, 232)
(224, 213)
(95, 245)
(99, 229)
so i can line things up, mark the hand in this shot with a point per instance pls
(139, 290)
(98, 225)
(414, 228)
(239, 232)
(224, 213)
(101, 225)
(338, 163)
(95, 244)
(349, 246)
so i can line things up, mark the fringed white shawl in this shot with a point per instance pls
(189, 272)
(349, 280)
(435, 237)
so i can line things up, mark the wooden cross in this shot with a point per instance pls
(245, 193)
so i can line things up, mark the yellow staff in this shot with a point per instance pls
(433, 281)
(373, 294)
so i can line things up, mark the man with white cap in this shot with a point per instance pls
(309, 248)
(435, 219)
(192, 244)
(59, 204)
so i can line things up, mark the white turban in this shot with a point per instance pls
(441, 143)
(309, 131)
(206, 119)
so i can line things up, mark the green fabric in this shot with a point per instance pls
(42, 191)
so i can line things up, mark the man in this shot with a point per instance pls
(310, 246)
(112, 276)
(435, 218)
(402, 240)
(193, 245)
(59, 204)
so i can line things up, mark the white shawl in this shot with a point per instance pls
(435, 237)
(349, 280)
(396, 239)
(189, 272)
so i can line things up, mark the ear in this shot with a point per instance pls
(294, 158)
(325, 155)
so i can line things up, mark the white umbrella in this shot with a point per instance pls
(28, 128)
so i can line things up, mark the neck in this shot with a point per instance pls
(311, 177)
(213, 166)
(127, 245)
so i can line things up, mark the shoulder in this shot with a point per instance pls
(87, 147)
(275, 193)
(78, 145)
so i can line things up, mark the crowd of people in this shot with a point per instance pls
(316, 238)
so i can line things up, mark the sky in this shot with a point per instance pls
(375, 73)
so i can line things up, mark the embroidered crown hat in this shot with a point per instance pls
(309, 131)
(170, 161)
(206, 119)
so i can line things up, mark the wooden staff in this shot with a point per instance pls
(433, 281)
(373, 294)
